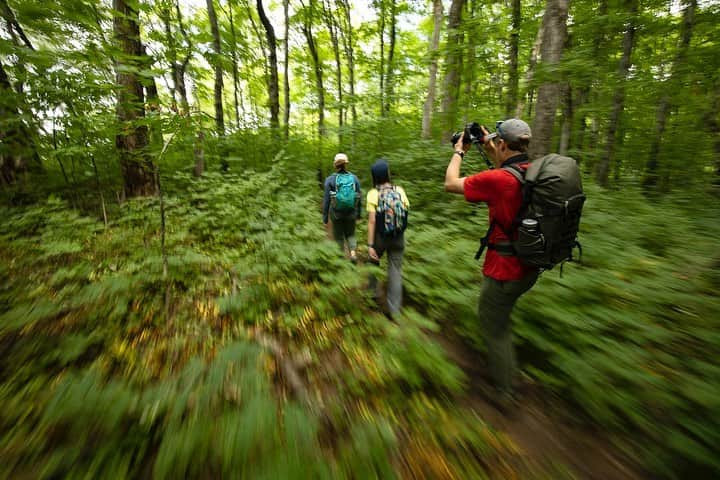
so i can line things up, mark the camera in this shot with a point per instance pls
(473, 134)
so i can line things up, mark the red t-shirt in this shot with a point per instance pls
(503, 194)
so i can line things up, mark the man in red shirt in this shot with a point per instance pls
(505, 277)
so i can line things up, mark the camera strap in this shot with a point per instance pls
(485, 157)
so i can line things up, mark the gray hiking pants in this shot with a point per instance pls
(344, 229)
(497, 300)
(395, 248)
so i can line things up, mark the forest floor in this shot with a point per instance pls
(539, 423)
(541, 426)
(141, 351)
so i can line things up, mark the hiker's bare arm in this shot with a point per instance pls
(371, 235)
(453, 182)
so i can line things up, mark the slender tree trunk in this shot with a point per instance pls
(261, 41)
(171, 52)
(233, 53)
(429, 105)
(317, 65)
(273, 86)
(182, 67)
(529, 76)
(331, 24)
(566, 101)
(99, 188)
(608, 157)
(152, 100)
(348, 45)
(199, 152)
(381, 15)
(554, 35)
(389, 74)
(513, 80)
(13, 24)
(666, 103)
(584, 92)
(567, 119)
(132, 140)
(468, 70)
(286, 67)
(217, 63)
(453, 63)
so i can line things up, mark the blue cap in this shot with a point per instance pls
(380, 171)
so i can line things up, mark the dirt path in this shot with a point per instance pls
(543, 438)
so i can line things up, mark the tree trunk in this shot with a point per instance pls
(554, 34)
(307, 30)
(132, 140)
(286, 63)
(13, 24)
(261, 40)
(14, 146)
(583, 94)
(381, 14)
(529, 75)
(235, 73)
(666, 104)
(217, 63)
(567, 107)
(429, 105)
(331, 24)
(182, 67)
(199, 152)
(607, 159)
(567, 119)
(389, 80)
(512, 94)
(453, 63)
(273, 86)
(350, 54)
(152, 100)
(468, 70)
(171, 52)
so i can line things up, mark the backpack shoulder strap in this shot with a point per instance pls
(517, 172)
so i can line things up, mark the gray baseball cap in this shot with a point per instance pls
(513, 129)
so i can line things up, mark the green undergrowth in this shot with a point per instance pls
(628, 337)
(247, 348)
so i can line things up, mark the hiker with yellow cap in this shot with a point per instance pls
(341, 203)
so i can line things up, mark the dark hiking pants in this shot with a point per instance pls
(344, 230)
(497, 300)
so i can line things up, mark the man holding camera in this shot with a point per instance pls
(505, 277)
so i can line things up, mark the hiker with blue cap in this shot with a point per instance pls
(387, 207)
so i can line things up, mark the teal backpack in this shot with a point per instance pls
(345, 196)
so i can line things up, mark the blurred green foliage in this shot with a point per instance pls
(113, 368)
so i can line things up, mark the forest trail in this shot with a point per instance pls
(542, 436)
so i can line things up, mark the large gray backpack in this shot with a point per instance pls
(546, 226)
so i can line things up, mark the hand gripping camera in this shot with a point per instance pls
(473, 134)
